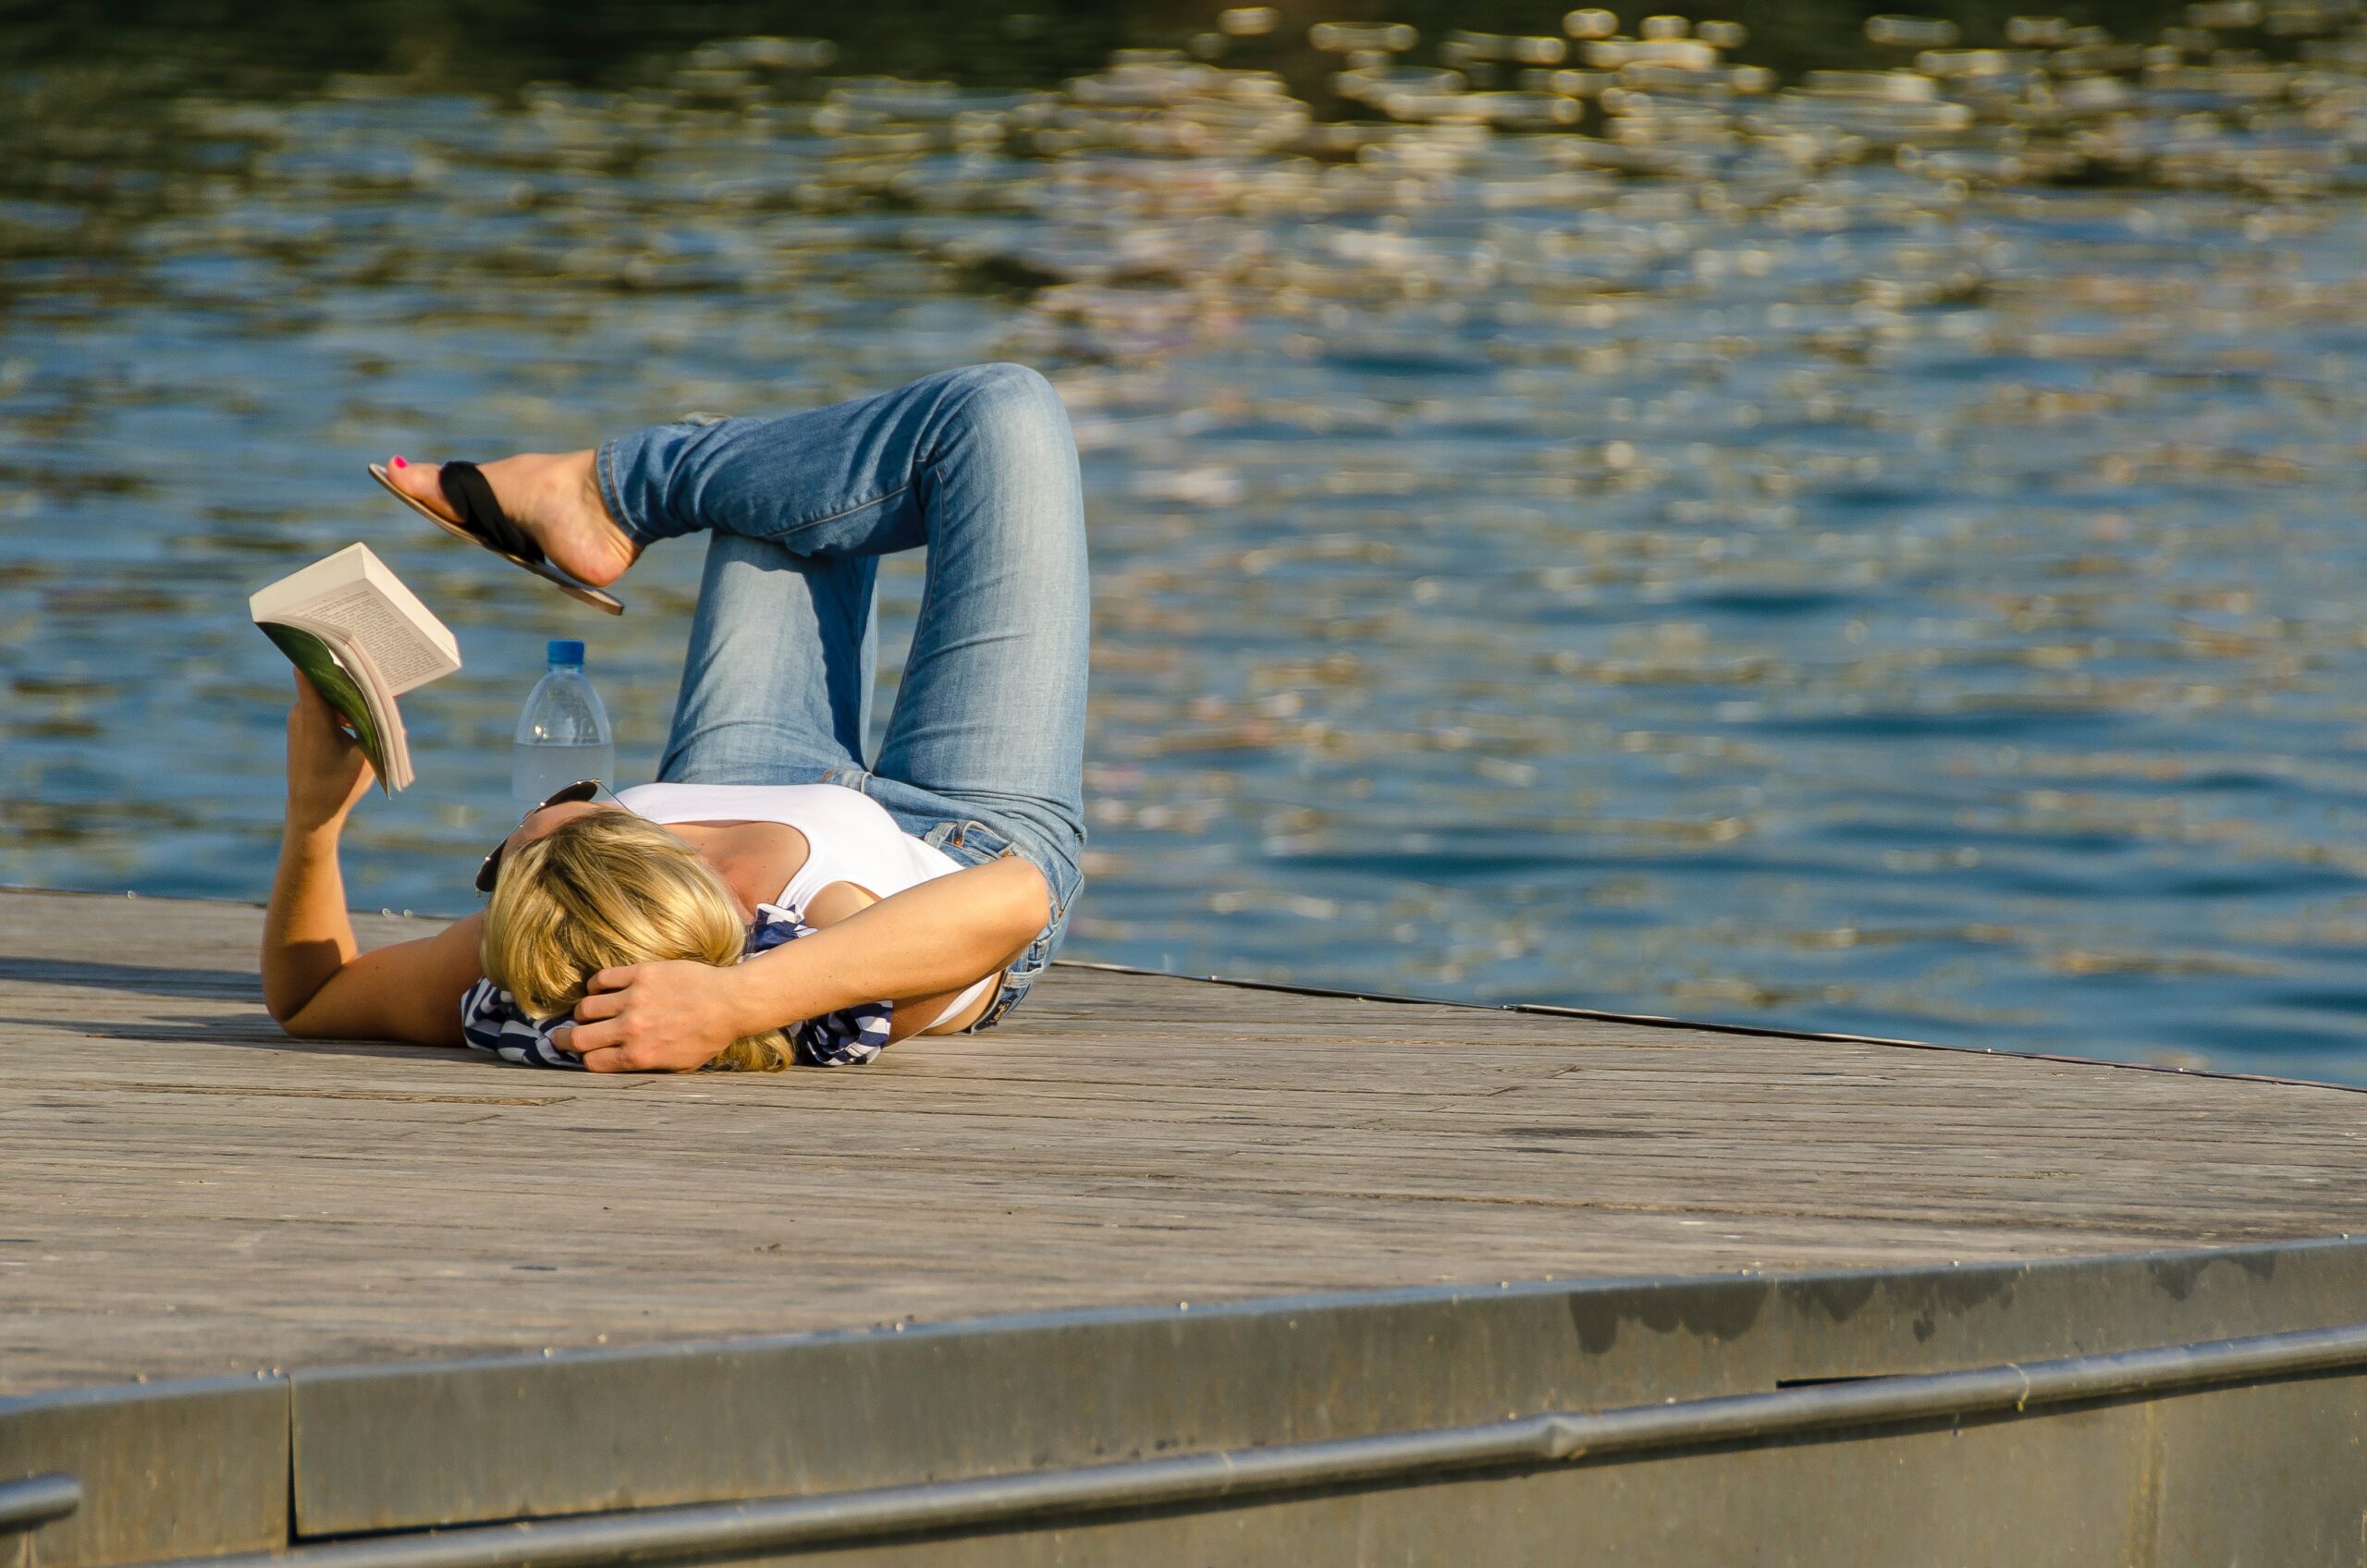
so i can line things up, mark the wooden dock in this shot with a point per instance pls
(1165, 1272)
(185, 1192)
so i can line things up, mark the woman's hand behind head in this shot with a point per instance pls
(666, 1017)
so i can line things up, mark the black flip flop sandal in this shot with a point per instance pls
(484, 523)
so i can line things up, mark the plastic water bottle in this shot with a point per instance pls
(563, 735)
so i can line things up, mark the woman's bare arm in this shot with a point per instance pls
(410, 991)
(915, 1015)
(317, 981)
(926, 941)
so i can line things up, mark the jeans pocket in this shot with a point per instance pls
(973, 843)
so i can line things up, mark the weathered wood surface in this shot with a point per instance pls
(183, 1191)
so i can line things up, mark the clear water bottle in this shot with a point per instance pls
(563, 735)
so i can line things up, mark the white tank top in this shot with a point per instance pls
(849, 838)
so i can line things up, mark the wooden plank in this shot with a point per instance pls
(183, 1191)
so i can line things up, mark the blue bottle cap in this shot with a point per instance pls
(565, 650)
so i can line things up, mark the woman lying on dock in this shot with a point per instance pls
(921, 895)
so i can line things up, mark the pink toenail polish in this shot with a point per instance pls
(399, 463)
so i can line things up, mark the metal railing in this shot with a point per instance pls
(37, 1500)
(753, 1527)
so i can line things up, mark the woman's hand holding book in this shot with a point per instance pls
(327, 769)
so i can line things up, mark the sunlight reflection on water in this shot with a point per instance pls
(1875, 553)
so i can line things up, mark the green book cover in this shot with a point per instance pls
(329, 675)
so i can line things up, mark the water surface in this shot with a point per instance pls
(1639, 529)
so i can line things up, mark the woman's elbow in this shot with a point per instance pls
(302, 1019)
(282, 1007)
(1027, 904)
(291, 1020)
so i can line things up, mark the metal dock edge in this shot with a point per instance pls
(2170, 1407)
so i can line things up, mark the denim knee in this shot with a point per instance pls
(1007, 405)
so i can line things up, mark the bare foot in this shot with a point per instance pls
(553, 498)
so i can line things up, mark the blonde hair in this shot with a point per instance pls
(608, 888)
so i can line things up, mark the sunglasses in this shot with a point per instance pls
(581, 789)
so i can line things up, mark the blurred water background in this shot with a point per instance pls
(1766, 515)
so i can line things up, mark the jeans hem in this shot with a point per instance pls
(604, 474)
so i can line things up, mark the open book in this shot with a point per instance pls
(364, 639)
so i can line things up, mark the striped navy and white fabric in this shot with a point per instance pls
(846, 1038)
(492, 1022)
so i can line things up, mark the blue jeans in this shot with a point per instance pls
(983, 754)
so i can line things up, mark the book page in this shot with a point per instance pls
(404, 657)
(381, 702)
(354, 594)
(328, 575)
